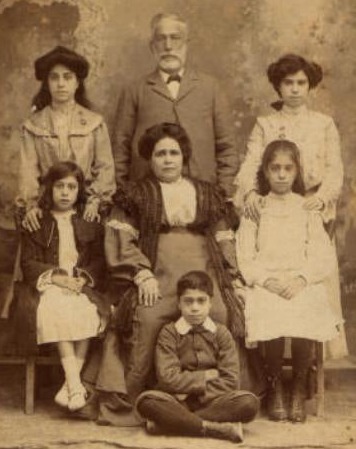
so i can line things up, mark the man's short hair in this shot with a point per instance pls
(160, 16)
(195, 280)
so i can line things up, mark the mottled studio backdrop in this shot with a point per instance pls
(234, 40)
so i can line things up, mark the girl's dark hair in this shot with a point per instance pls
(291, 64)
(43, 97)
(55, 173)
(158, 132)
(197, 280)
(280, 146)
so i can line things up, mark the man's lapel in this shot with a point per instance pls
(155, 81)
(188, 83)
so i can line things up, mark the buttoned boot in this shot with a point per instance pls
(276, 409)
(297, 410)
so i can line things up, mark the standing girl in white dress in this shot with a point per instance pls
(285, 257)
(63, 264)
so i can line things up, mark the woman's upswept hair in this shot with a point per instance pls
(291, 64)
(43, 97)
(158, 132)
(59, 171)
(280, 146)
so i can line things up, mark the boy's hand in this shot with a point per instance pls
(31, 222)
(211, 374)
(148, 292)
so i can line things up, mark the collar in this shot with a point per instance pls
(173, 183)
(63, 215)
(183, 327)
(83, 122)
(294, 111)
(166, 75)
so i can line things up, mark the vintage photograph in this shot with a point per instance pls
(177, 224)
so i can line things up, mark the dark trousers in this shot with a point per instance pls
(302, 353)
(176, 417)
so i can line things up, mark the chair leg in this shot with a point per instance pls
(30, 385)
(320, 396)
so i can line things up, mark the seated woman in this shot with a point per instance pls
(162, 226)
(286, 258)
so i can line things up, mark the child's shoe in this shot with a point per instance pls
(223, 431)
(62, 397)
(77, 399)
(297, 410)
(276, 409)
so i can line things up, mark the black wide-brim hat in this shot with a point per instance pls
(61, 55)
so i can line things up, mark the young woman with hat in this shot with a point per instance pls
(61, 128)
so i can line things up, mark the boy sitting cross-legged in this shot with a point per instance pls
(198, 372)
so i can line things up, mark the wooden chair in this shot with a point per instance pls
(316, 384)
(30, 364)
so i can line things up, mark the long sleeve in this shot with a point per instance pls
(103, 185)
(320, 254)
(123, 255)
(225, 143)
(228, 367)
(246, 250)
(125, 128)
(29, 172)
(171, 377)
(225, 238)
(96, 265)
(246, 179)
(332, 181)
(32, 262)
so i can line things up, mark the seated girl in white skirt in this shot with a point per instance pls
(285, 258)
(63, 262)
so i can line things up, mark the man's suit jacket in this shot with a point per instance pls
(200, 108)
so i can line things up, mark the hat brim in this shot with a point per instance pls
(61, 55)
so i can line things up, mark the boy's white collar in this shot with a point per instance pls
(183, 327)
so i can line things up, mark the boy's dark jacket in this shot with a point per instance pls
(39, 253)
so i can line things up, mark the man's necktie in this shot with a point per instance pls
(175, 77)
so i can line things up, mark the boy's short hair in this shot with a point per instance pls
(195, 280)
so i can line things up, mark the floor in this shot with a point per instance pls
(49, 427)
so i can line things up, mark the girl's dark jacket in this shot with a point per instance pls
(39, 253)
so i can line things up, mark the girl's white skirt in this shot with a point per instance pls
(65, 317)
(307, 315)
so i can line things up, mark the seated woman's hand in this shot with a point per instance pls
(314, 203)
(91, 212)
(240, 292)
(31, 222)
(292, 287)
(148, 292)
(253, 204)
